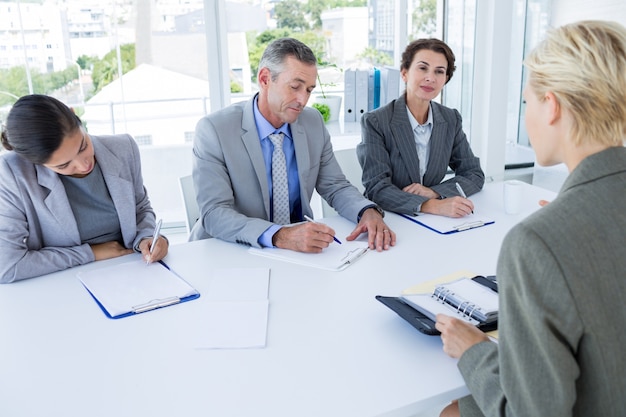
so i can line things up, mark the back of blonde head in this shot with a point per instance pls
(584, 65)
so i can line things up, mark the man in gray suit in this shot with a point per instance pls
(232, 169)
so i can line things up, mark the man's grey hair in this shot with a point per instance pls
(276, 52)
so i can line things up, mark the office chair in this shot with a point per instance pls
(351, 169)
(189, 201)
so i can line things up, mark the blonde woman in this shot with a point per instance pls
(562, 270)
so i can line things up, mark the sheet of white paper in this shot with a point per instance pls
(237, 309)
(234, 325)
(239, 284)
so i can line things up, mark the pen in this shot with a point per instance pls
(460, 190)
(308, 219)
(155, 236)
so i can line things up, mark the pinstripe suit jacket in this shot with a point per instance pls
(38, 231)
(562, 277)
(388, 155)
(230, 178)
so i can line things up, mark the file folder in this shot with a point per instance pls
(361, 93)
(373, 89)
(349, 96)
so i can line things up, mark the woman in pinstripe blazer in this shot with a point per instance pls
(408, 144)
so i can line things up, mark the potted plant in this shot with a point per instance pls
(329, 105)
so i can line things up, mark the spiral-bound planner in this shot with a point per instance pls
(472, 299)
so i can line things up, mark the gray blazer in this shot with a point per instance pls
(388, 155)
(230, 178)
(562, 276)
(38, 231)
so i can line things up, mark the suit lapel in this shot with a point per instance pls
(120, 189)
(405, 141)
(252, 143)
(303, 159)
(437, 158)
(57, 203)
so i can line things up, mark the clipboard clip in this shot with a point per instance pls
(469, 225)
(354, 255)
(153, 304)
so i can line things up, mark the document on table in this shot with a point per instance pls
(133, 287)
(335, 257)
(237, 313)
(447, 225)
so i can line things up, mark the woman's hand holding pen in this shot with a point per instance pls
(154, 253)
(451, 207)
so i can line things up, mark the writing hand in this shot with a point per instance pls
(159, 251)
(305, 237)
(449, 207)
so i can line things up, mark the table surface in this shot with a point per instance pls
(332, 349)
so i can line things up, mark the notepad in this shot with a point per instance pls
(447, 225)
(133, 287)
(474, 300)
(464, 298)
(335, 257)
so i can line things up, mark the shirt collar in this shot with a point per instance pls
(264, 127)
(415, 123)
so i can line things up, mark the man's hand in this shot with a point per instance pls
(449, 207)
(305, 237)
(108, 250)
(379, 236)
(458, 335)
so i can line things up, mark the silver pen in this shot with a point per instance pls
(155, 236)
(460, 190)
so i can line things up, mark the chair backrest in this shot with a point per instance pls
(189, 201)
(351, 168)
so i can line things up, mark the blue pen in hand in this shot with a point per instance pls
(308, 219)
(155, 236)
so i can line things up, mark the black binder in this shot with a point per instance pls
(425, 324)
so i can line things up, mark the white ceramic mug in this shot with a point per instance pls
(513, 196)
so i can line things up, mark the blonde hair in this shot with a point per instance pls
(584, 65)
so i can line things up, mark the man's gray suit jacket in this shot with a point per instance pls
(230, 178)
(38, 231)
(388, 156)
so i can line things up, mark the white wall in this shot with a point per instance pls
(567, 11)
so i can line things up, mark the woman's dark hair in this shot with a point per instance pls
(431, 44)
(36, 127)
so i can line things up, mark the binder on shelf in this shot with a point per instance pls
(133, 287)
(373, 89)
(361, 94)
(349, 96)
(389, 84)
(474, 300)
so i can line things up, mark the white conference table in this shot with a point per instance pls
(332, 349)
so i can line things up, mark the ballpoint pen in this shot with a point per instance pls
(460, 190)
(308, 219)
(155, 236)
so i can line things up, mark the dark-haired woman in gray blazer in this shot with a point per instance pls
(68, 198)
(408, 145)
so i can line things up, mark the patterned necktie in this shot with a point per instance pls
(280, 187)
